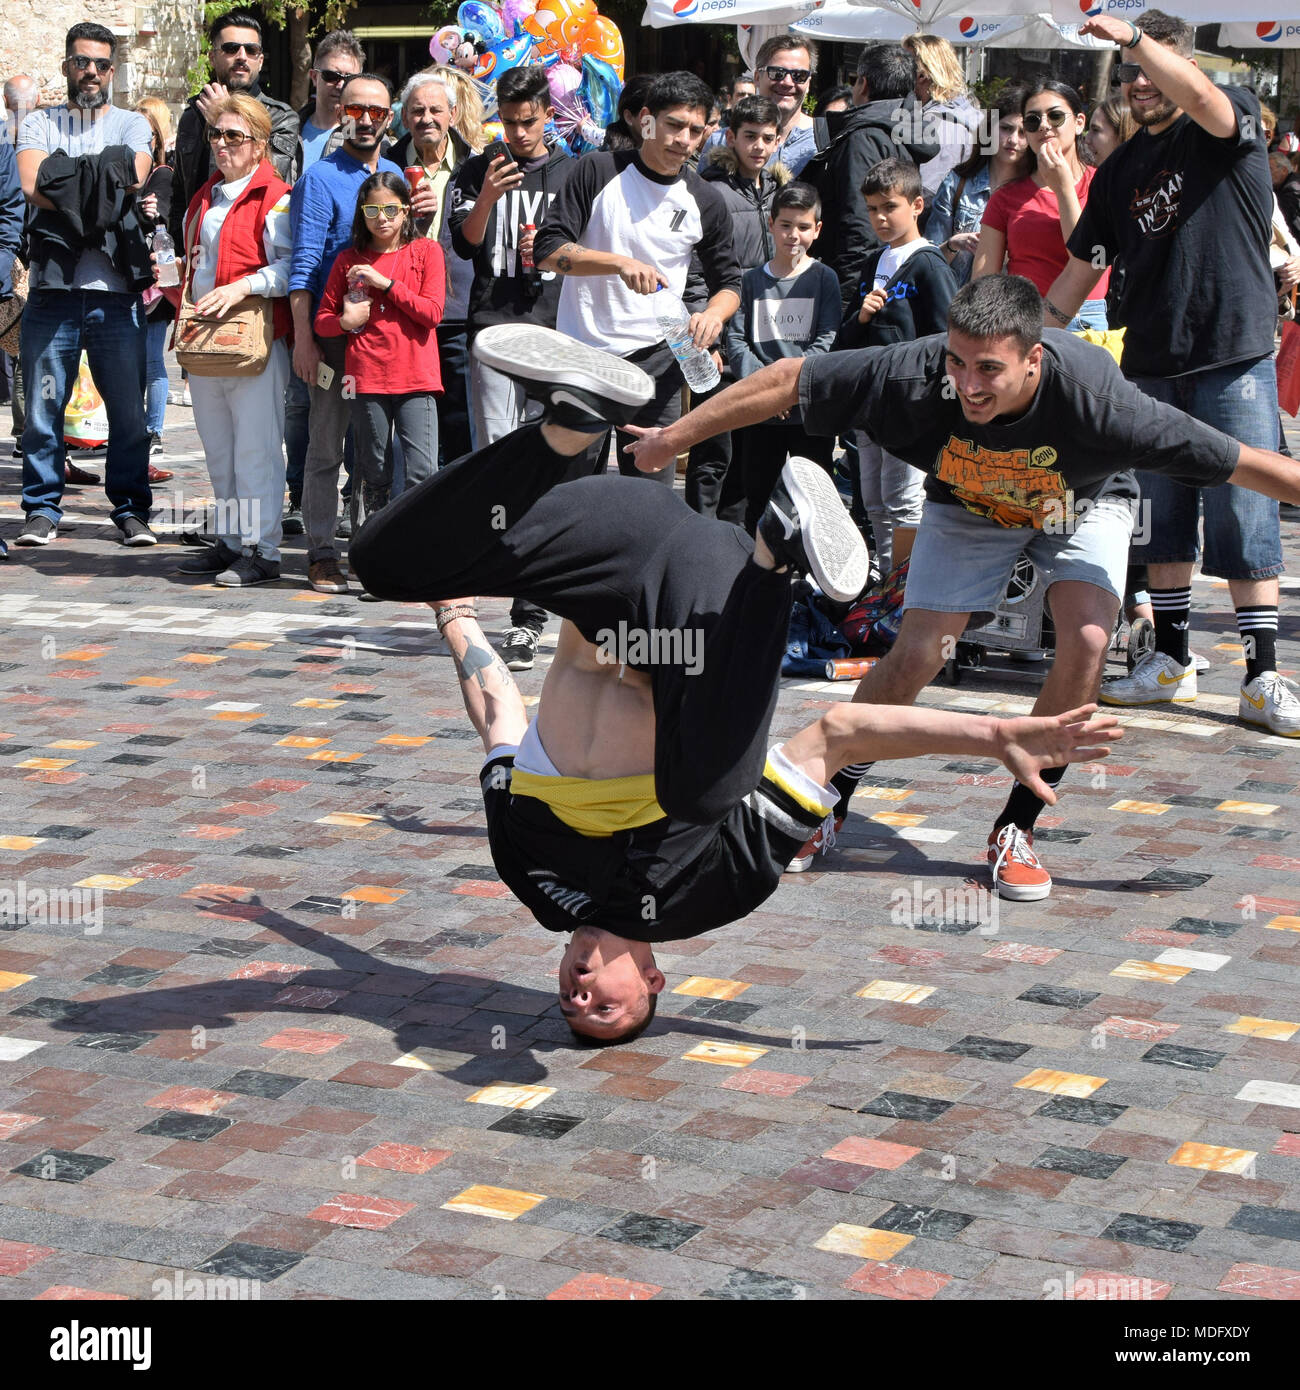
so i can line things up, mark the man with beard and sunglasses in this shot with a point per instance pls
(321, 213)
(235, 51)
(84, 289)
(1187, 205)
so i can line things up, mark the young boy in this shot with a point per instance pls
(789, 307)
(905, 292)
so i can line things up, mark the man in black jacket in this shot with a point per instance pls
(235, 50)
(884, 106)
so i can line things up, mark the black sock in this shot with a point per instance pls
(845, 782)
(1257, 625)
(1173, 612)
(1023, 806)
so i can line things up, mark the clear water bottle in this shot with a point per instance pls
(674, 323)
(164, 250)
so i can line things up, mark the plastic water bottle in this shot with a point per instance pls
(164, 250)
(674, 323)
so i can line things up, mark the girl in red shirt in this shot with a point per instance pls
(387, 292)
(1028, 221)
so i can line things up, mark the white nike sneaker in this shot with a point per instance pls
(1156, 679)
(1270, 702)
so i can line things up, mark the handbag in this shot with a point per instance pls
(11, 310)
(237, 344)
(1288, 368)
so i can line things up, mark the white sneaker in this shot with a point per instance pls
(1156, 679)
(1270, 702)
(821, 843)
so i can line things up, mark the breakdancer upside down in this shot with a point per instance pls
(644, 804)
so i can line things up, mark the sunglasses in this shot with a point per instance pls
(254, 50)
(231, 138)
(799, 76)
(1127, 72)
(332, 78)
(374, 114)
(388, 211)
(83, 64)
(1055, 118)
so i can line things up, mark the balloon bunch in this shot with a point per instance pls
(581, 50)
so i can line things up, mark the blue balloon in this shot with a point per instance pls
(482, 19)
(600, 88)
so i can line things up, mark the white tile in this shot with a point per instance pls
(1193, 960)
(11, 1049)
(233, 706)
(1270, 1093)
(924, 834)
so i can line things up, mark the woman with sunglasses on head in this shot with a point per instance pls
(237, 243)
(1027, 222)
(386, 294)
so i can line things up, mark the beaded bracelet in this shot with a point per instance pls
(443, 616)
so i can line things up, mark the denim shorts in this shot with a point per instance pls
(1242, 535)
(1094, 551)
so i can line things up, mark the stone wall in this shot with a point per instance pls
(32, 33)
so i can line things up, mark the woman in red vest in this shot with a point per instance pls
(237, 244)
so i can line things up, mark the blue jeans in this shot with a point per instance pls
(155, 381)
(297, 406)
(1092, 314)
(1242, 536)
(58, 325)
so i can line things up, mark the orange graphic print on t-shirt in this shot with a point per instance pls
(1014, 487)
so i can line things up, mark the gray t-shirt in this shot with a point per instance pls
(73, 131)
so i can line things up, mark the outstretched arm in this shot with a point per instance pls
(860, 733)
(1274, 475)
(492, 699)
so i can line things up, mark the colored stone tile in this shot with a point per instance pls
(895, 1281)
(863, 1241)
(371, 893)
(1060, 1083)
(13, 1049)
(110, 883)
(1193, 960)
(511, 1097)
(896, 990)
(17, 1257)
(300, 741)
(896, 818)
(1134, 1229)
(348, 818)
(1246, 808)
(725, 1054)
(12, 1122)
(1149, 970)
(68, 1293)
(268, 971)
(193, 1100)
(332, 755)
(19, 842)
(502, 1203)
(766, 1083)
(1284, 923)
(62, 1165)
(1083, 1163)
(1100, 1285)
(305, 1040)
(404, 740)
(318, 704)
(240, 1260)
(650, 1232)
(1262, 1281)
(403, 1158)
(898, 1105)
(1261, 1092)
(46, 764)
(704, 988)
(362, 1212)
(1014, 950)
(592, 1288)
(871, 1153)
(306, 997)
(1214, 1159)
(10, 979)
(1289, 1145)
(1139, 1029)
(1141, 808)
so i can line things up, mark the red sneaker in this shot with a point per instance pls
(820, 843)
(1017, 874)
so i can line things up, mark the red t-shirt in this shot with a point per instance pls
(1030, 219)
(397, 350)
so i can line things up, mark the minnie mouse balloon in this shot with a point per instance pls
(443, 44)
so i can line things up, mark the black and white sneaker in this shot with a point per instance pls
(806, 526)
(583, 387)
(39, 530)
(518, 648)
(136, 532)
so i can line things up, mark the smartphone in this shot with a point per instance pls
(500, 150)
(324, 376)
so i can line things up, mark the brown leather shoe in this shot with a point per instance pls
(326, 578)
(78, 477)
(160, 475)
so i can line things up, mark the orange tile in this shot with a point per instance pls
(369, 893)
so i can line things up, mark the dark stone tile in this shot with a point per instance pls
(64, 832)
(128, 976)
(650, 1232)
(316, 903)
(132, 760)
(114, 1042)
(727, 1010)
(561, 1214)
(269, 1085)
(1267, 1221)
(1258, 832)
(57, 1165)
(177, 1124)
(946, 927)
(1272, 788)
(1082, 1112)
(931, 1222)
(362, 716)
(1058, 995)
(1204, 926)
(250, 1262)
(750, 1284)
(1083, 1163)
(1176, 878)
(899, 1106)
(1191, 1058)
(1206, 803)
(271, 851)
(474, 940)
(988, 1049)
(479, 871)
(224, 946)
(154, 740)
(1149, 1230)
(537, 1126)
(49, 1008)
(1060, 836)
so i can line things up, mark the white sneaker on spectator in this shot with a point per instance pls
(1156, 679)
(1270, 702)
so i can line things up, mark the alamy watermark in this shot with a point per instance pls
(24, 905)
(655, 646)
(972, 905)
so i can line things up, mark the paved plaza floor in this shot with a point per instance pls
(304, 1036)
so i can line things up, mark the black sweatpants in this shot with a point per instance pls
(517, 520)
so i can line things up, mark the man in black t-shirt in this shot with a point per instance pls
(1026, 436)
(1187, 205)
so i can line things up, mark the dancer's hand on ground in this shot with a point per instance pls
(649, 451)
(1028, 745)
(639, 277)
